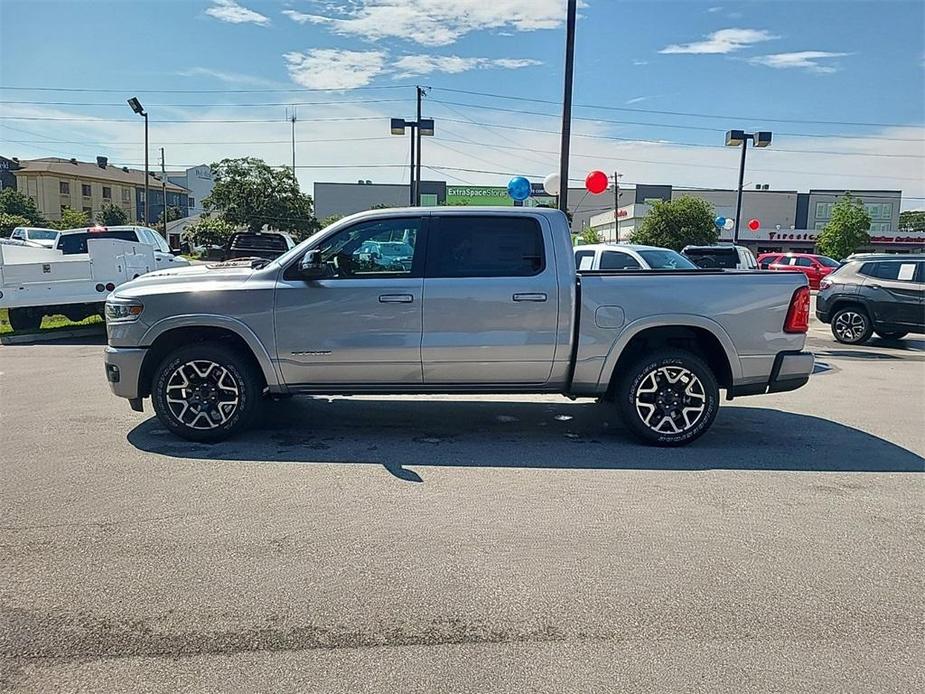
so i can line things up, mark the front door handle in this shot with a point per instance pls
(395, 298)
(874, 286)
(539, 296)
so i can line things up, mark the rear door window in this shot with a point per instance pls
(490, 246)
(69, 244)
(615, 260)
(803, 262)
(890, 270)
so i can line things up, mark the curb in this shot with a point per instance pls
(51, 336)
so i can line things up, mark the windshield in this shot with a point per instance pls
(828, 262)
(666, 260)
(41, 235)
(70, 244)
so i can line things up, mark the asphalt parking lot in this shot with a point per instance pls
(480, 544)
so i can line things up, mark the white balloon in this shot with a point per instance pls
(729, 224)
(551, 184)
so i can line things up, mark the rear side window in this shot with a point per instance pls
(491, 246)
(69, 244)
(615, 260)
(890, 270)
(584, 260)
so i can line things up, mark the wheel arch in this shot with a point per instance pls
(169, 334)
(701, 337)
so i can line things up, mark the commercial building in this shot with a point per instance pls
(55, 184)
(198, 181)
(789, 220)
(347, 198)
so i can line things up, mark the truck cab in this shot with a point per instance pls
(74, 241)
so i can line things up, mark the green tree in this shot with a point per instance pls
(678, 223)
(71, 219)
(329, 220)
(589, 235)
(111, 216)
(14, 202)
(8, 222)
(173, 214)
(912, 220)
(382, 206)
(209, 231)
(249, 192)
(846, 230)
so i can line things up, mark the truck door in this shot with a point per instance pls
(360, 325)
(892, 291)
(490, 300)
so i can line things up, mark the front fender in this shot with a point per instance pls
(682, 320)
(209, 320)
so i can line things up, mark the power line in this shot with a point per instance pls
(669, 125)
(91, 119)
(121, 104)
(292, 90)
(689, 114)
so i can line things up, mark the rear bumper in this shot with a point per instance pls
(123, 371)
(791, 370)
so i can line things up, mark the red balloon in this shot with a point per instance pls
(754, 224)
(596, 182)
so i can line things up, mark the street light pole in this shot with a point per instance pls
(735, 138)
(567, 103)
(413, 196)
(735, 233)
(417, 166)
(136, 106)
(422, 126)
(616, 205)
(164, 191)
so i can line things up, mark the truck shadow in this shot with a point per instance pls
(396, 433)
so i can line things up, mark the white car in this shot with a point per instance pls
(626, 256)
(40, 235)
(722, 255)
(73, 241)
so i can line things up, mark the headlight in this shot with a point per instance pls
(123, 311)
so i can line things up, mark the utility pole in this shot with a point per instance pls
(164, 192)
(413, 185)
(417, 136)
(567, 104)
(616, 205)
(291, 115)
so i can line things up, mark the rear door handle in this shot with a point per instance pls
(539, 296)
(395, 298)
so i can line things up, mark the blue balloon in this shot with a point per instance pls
(518, 188)
(720, 222)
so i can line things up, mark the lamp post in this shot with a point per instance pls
(736, 138)
(616, 205)
(422, 126)
(139, 109)
(565, 141)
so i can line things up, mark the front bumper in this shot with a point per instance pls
(123, 371)
(791, 370)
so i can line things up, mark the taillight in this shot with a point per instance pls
(825, 283)
(798, 313)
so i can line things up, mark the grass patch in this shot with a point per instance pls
(48, 323)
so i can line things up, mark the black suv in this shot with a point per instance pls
(874, 293)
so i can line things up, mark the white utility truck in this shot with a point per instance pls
(37, 282)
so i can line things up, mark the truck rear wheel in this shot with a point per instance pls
(668, 398)
(29, 318)
(206, 391)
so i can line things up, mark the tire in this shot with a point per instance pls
(224, 400)
(25, 318)
(888, 335)
(75, 315)
(658, 386)
(851, 325)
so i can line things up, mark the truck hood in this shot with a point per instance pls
(201, 275)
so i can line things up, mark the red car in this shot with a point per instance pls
(815, 267)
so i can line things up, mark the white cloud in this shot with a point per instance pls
(714, 9)
(805, 60)
(722, 42)
(437, 22)
(636, 100)
(453, 64)
(328, 68)
(637, 62)
(233, 13)
(228, 77)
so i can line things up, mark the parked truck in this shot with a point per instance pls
(37, 282)
(490, 302)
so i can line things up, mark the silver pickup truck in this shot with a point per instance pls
(452, 300)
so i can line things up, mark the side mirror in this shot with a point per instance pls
(311, 267)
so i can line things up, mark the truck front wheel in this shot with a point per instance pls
(668, 398)
(25, 318)
(206, 391)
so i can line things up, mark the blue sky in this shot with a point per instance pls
(721, 65)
